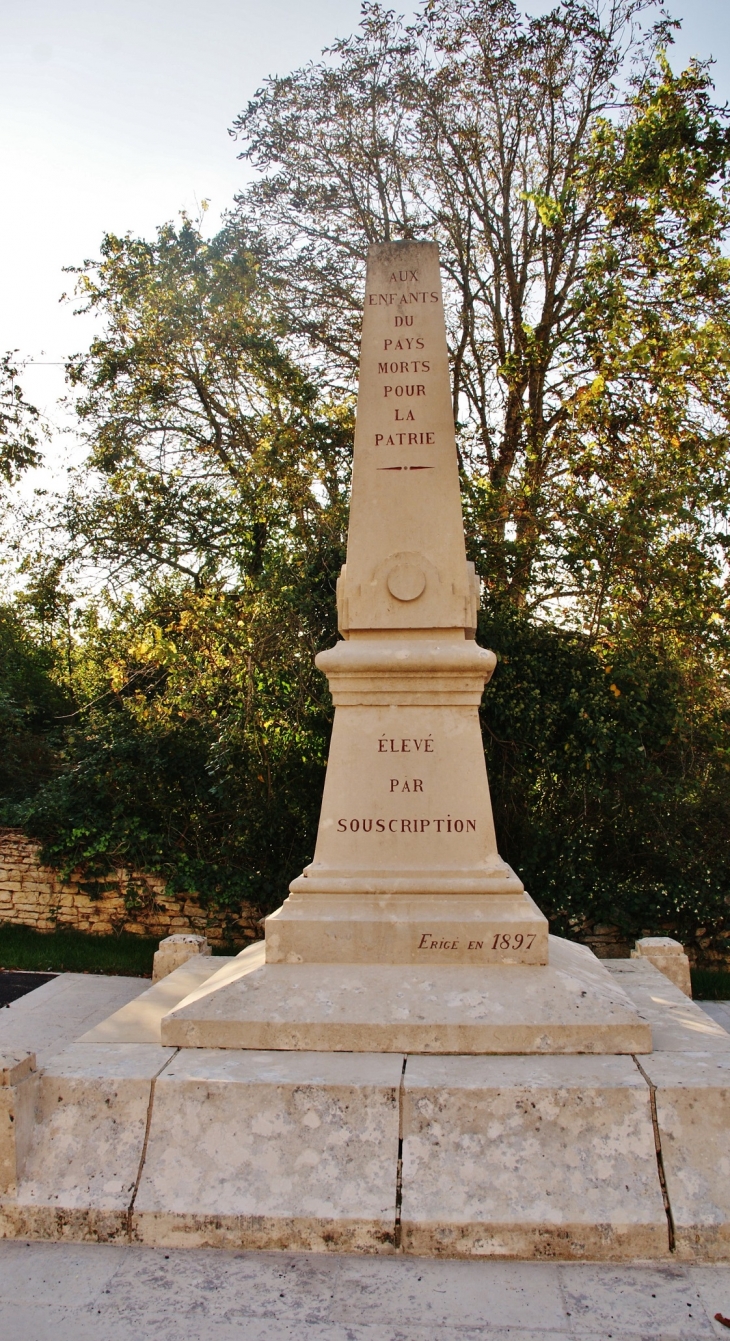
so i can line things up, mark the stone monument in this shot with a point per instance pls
(277, 1099)
(401, 932)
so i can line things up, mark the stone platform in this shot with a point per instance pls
(571, 1005)
(501, 1156)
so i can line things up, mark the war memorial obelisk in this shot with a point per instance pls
(408, 931)
(284, 1099)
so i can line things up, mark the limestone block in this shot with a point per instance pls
(82, 1166)
(669, 957)
(527, 1157)
(272, 1150)
(18, 1084)
(693, 1113)
(175, 950)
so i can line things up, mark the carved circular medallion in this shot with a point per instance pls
(406, 581)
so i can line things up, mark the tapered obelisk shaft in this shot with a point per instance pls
(406, 563)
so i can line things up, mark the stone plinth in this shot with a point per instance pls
(572, 1005)
(669, 957)
(18, 1085)
(503, 1156)
(511, 1156)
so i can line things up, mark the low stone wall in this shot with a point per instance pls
(35, 896)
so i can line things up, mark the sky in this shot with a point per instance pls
(114, 117)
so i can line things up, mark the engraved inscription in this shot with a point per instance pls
(502, 941)
(400, 825)
(404, 745)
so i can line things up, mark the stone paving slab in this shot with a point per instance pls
(94, 1292)
(678, 1024)
(572, 1005)
(138, 1021)
(56, 1014)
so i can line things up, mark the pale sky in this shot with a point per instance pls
(114, 116)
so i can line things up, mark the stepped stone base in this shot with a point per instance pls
(571, 1005)
(509, 1156)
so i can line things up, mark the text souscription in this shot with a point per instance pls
(447, 825)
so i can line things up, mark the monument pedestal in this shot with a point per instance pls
(395, 928)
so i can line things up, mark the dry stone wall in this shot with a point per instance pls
(35, 896)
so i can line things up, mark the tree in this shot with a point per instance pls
(19, 424)
(212, 505)
(577, 189)
(210, 451)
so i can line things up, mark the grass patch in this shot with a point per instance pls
(66, 951)
(69, 951)
(710, 984)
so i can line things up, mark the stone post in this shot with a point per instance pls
(177, 950)
(669, 957)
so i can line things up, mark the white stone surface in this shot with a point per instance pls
(572, 1005)
(528, 1157)
(677, 1024)
(422, 929)
(272, 1150)
(54, 1015)
(91, 1117)
(139, 1020)
(93, 1292)
(693, 1111)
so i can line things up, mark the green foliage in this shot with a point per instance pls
(609, 773)
(216, 484)
(19, 424)
(31, 706)
(201, 754)
(578, 191)
(710, 985)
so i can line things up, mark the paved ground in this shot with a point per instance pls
(719, 1010)
(80, 1292)
(59, 1012)
(67, 1292)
